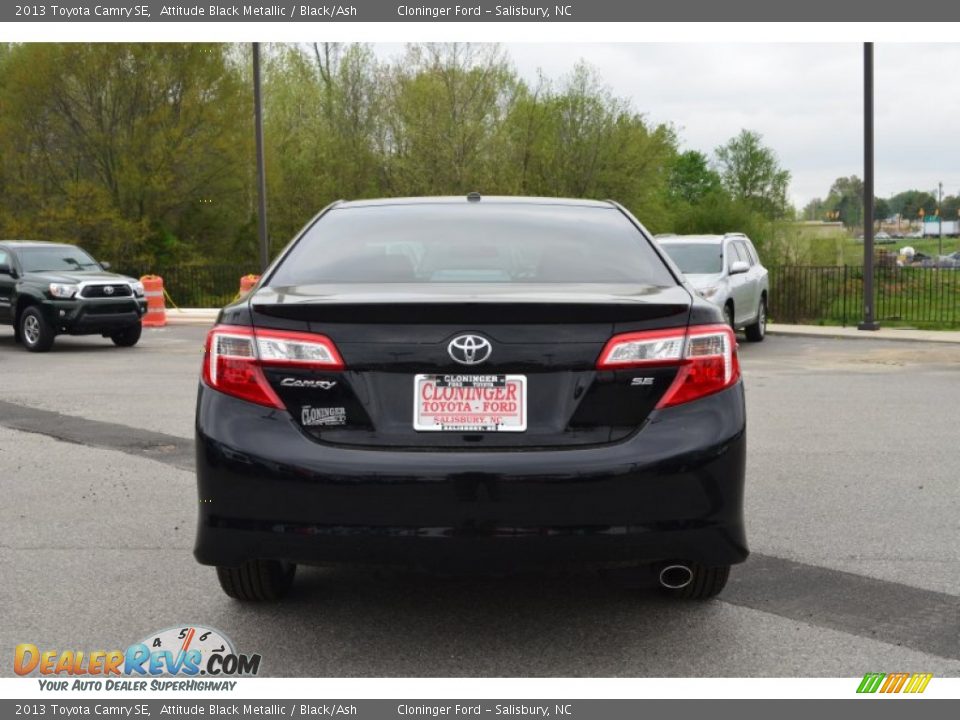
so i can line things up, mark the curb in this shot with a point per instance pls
(947, 337)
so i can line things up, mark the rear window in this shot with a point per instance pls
(475, 243)
(696, 258)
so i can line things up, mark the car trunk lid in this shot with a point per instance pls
(543, 339)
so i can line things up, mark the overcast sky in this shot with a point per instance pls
(806, 100)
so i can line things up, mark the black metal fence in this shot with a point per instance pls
(921, 296)
(207, 286)
(798, 293)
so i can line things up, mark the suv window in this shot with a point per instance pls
(4, 258)
(695, 258)
(497, 243)
(733, 254)
(744, 252)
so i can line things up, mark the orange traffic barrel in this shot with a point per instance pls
(156, 308)
(247, 282)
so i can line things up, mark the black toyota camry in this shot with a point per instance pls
(471, 384)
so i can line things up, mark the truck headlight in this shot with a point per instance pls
(62, 290)
(137, 288)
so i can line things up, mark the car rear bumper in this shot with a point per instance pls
(673, 490)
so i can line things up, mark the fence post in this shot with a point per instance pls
(843, 289)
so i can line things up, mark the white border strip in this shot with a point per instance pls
(543, 32)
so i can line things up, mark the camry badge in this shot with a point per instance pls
(302, 383)
(469, 349)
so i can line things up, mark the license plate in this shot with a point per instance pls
(470, 403)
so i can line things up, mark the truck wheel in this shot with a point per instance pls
(758, 331)
(35, 332)
(128, 337)
(257, 580)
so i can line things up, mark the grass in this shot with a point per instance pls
(853, 249)
(926, 298)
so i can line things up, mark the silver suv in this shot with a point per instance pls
(726, 270)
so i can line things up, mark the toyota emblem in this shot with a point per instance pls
(108, 290)
(469, 349)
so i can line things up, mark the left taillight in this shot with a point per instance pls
(236, 355)
(705, 357)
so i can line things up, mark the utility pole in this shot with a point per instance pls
(940, 216)
(868, 321)
(261, 173)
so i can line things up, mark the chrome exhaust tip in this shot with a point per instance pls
(676, 577)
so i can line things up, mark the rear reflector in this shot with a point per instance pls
(705, 355)
(235, 357)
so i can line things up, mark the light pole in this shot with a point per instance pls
(940, 217)
(261, 174)
(868, 322)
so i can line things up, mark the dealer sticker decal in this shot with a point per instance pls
(313, 416)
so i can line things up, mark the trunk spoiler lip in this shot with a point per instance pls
(513, 305)
(453, 294)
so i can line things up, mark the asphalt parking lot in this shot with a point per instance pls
(853, 510)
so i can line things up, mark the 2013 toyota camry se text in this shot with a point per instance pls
(473, 384)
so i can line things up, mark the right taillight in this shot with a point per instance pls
(235, 356)
(705, 357)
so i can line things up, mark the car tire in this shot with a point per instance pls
(758, 331)
(35, 332)
(707, 582)
(257, 580)
(128, 337)
(728, 315)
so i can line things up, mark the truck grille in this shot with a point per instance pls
(100, 291)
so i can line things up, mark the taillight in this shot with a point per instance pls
(235, 357)
(705, 357)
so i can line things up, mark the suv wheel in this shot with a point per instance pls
(257, 580)
(728, 314)
(35, 332)
(707, 582)
(758, 331)
(128, 337)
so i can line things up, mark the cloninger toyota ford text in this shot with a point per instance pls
(474, 384)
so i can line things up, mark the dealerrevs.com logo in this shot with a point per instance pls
(184, 652)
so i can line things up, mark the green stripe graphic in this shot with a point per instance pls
(871, 682)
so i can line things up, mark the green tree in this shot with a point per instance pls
(881, 209)
(690, 178)
(846, 198)
(446, 105)
(581, 141)
(814, 210)
(131, 150)
(909, 203)
(751, 173)
(950, 208)
(143, 153)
